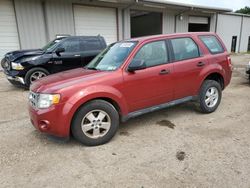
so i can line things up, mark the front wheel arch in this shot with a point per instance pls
(109, 100)
(94, 105)
(32, 70)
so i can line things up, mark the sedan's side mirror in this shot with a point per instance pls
(59, 51)
(136, 64)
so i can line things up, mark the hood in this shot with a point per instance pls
(14, 55)
(56, 82)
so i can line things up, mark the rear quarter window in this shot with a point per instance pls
(212, 44)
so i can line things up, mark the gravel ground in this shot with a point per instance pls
(175, 147)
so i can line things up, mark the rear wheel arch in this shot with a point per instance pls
(216, 77)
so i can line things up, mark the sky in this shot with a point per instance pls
(231, 4)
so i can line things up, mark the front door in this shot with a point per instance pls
(153, 85)
(70, 58)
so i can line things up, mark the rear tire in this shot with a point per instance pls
(30, 75)
(210, 96)
(95, 123)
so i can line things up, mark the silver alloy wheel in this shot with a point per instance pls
(36, 75)
(96, 124)
(212, 97)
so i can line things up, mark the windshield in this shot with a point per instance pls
(50, 46)
(112, 57)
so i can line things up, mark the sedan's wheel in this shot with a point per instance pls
(95, 123)
(209, 96)
(34, 74)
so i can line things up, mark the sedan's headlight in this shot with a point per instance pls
(46, 100)
(16, 66)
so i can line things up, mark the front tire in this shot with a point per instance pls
(17, 84)
(210, 96)
(95, 123)
(34, 74)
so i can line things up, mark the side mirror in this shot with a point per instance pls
(59, 50)
(136, 64)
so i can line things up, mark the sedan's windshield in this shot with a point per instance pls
(112, 57)
(51, 45)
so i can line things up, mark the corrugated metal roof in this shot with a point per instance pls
(176, 4)
(237, 14)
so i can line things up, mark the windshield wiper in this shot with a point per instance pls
(91, 68)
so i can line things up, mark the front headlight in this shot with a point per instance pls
(16, 66)
(46, 100)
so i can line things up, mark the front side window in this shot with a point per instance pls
(70, 45)
(112, 57)
(51, 45)
(153, 54)
(184, 48)
(212, 43)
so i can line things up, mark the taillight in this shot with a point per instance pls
(229, 62)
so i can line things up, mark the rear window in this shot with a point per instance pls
(212, 44)
(184, 48)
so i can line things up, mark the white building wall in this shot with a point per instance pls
(31, 23)
(168, 22)
(9, 40)
(245, 34)
(227, 27)
(182, 25)
(213, 22)
(59, 18)
(43, 20)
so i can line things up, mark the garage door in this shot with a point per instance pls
(198, 20)
(8, 29)
(95, 21)
(198, 24)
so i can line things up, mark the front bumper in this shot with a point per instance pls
(16, 78)
(51, 120)
(14, 75)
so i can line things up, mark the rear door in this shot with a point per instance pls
(91, 46)
(188, 62)
(69, 59)
(153, 85)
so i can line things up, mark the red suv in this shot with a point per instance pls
(130, 78)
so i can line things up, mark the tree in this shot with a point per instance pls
(245, 10)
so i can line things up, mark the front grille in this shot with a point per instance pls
(5, 64)
(33, 99)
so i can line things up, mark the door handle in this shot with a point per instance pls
(77, 55)
(164, 71)
(200, 64)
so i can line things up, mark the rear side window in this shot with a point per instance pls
(212, 44)
(184, 48)
(153, 54)
(92, 44)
